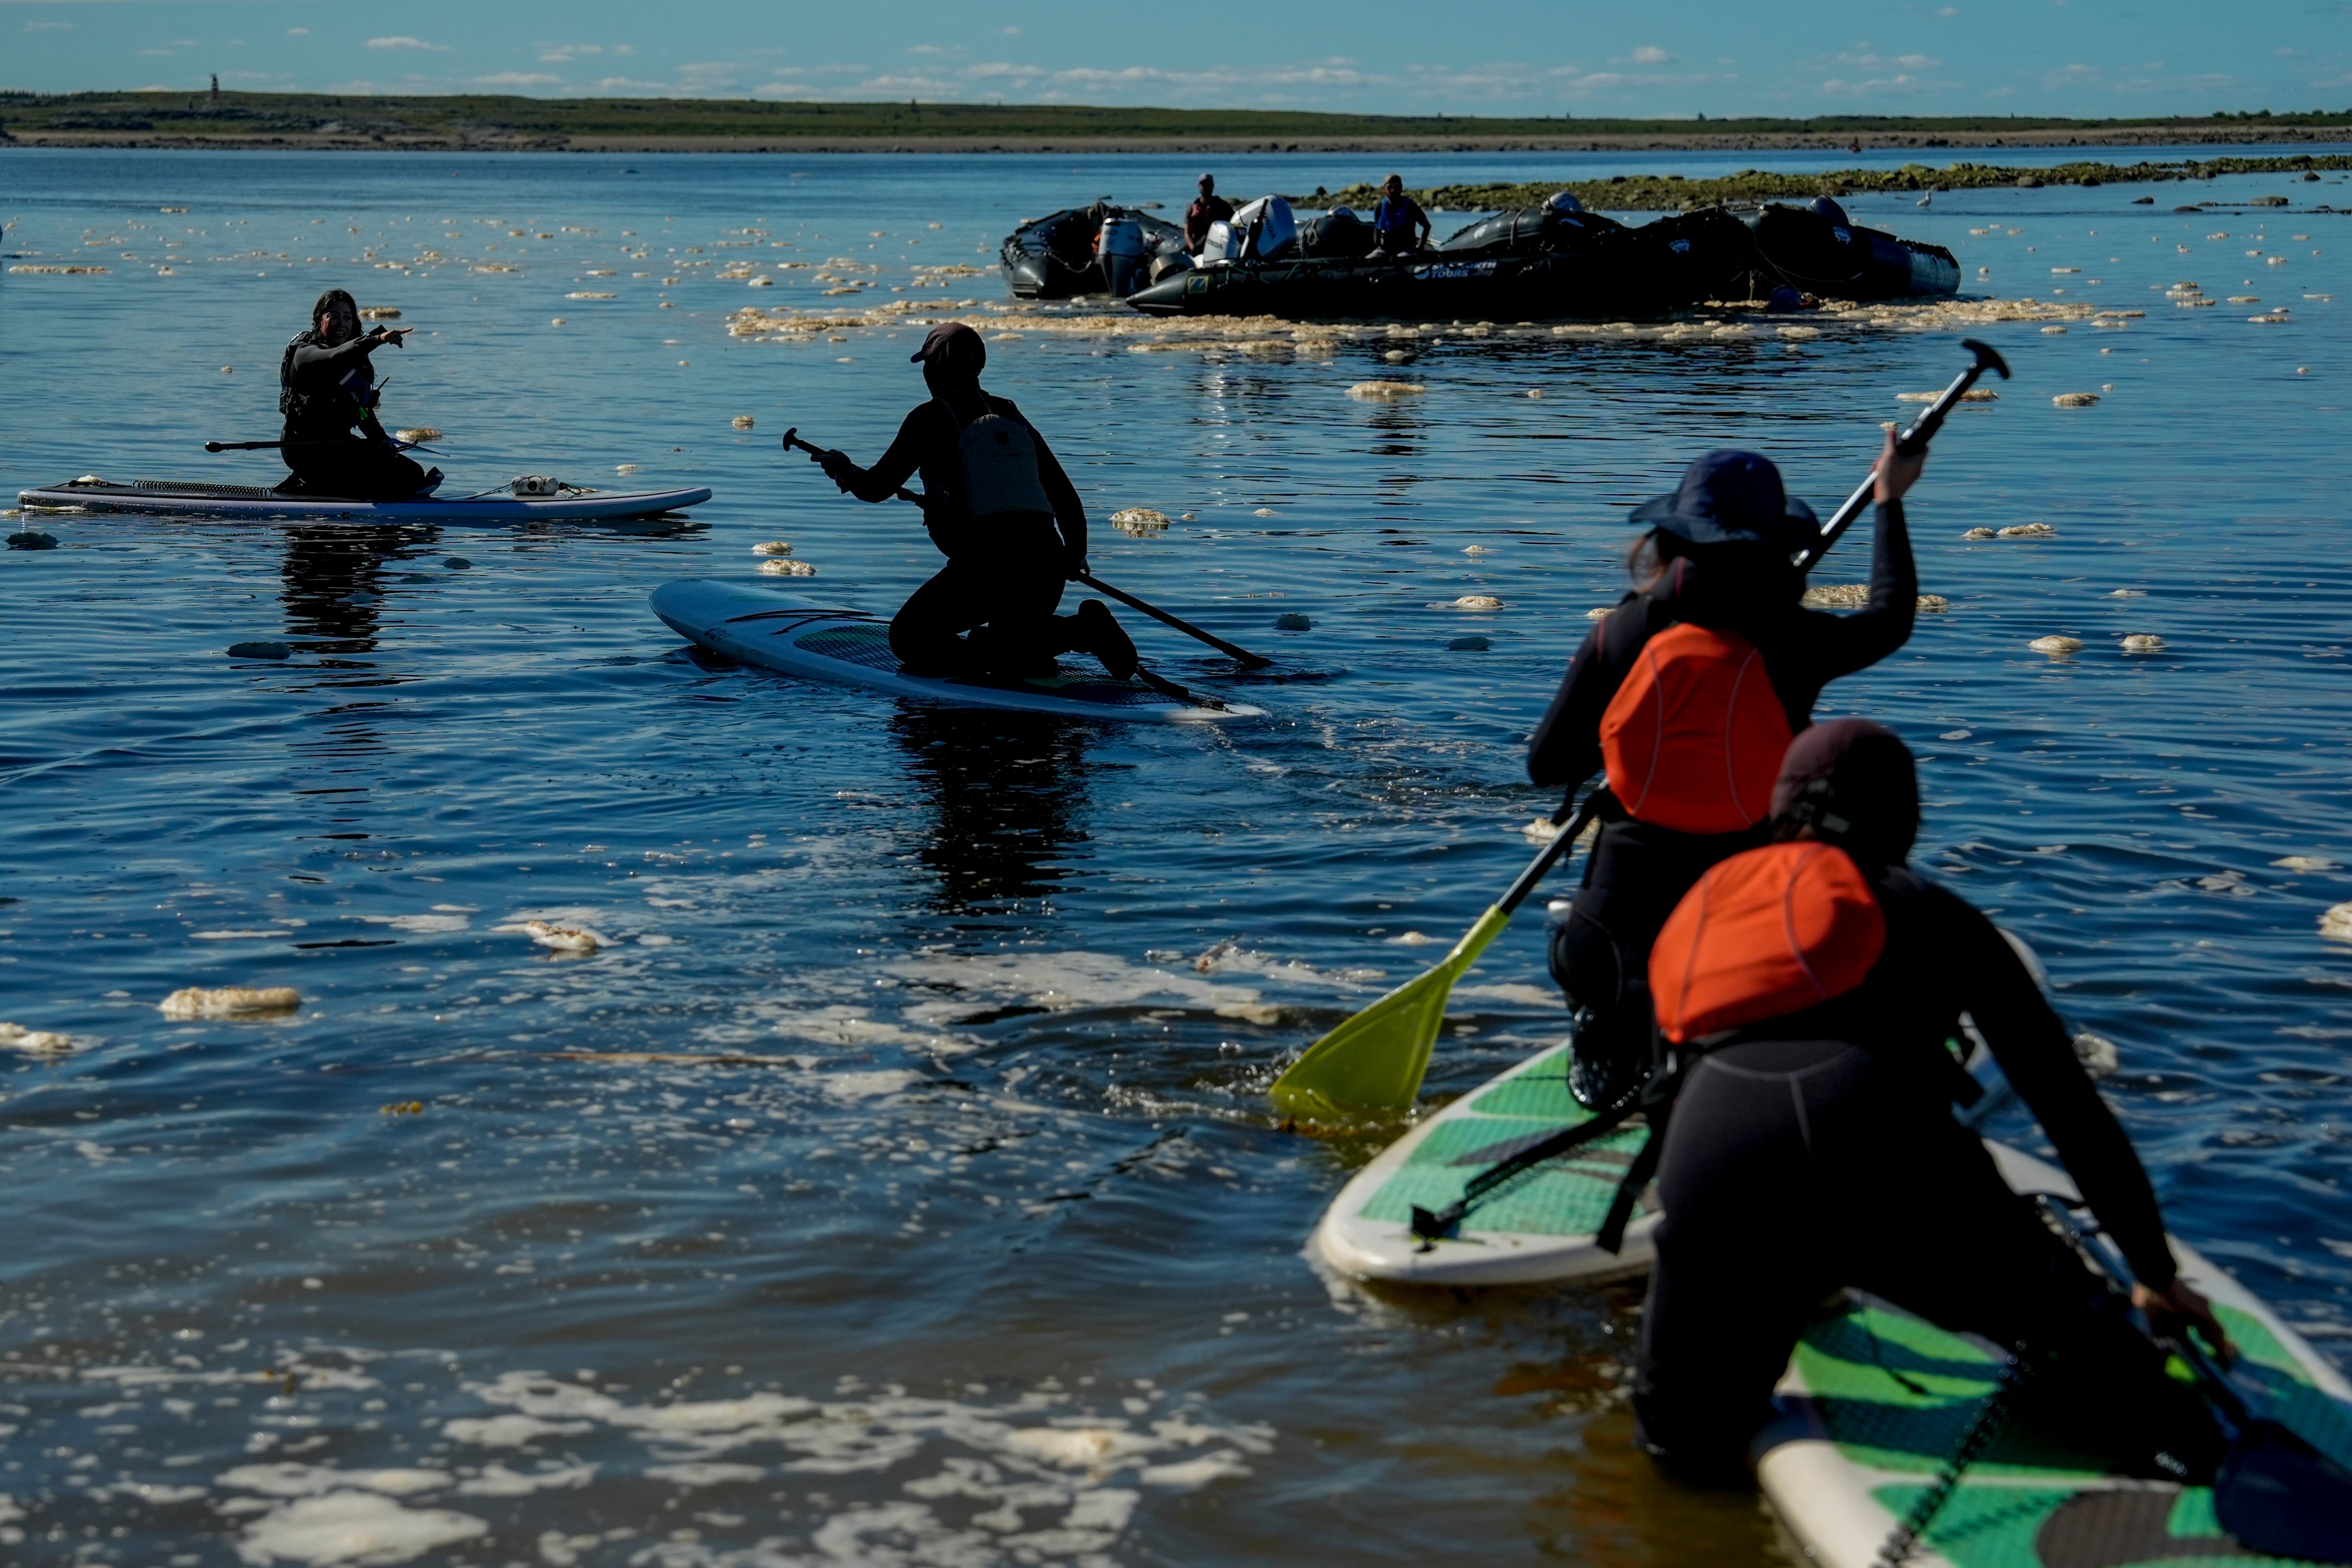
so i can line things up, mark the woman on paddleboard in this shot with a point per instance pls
(1685, 696)
(1004, 514)
(327, 390)
(1817, 980)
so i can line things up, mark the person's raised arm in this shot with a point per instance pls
(2031, 1044)
(1844, 643)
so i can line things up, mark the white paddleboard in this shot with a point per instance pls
(171, 499)
(849, 647)
(1536, 1230)
(1852, 1444)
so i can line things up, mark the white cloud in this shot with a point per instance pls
(564, 54)
(1651, 55)
(516, 78)
(297, 32)
(1011, 32)
(612, 84)
(404, 42)
(926, 50)
(48, 26)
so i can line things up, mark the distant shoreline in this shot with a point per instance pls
(1206, 146)
(493, 122)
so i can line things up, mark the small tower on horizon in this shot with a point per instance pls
(215, 90)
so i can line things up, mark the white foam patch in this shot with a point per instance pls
(497, 1481)
(509, 1431)
(351, 1527)
(422, 925)
(1041, 1469)
(317, 1480)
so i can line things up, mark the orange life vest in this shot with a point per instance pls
(1771, 931)
(1693, 739)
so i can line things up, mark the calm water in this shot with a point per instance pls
(993, 1257)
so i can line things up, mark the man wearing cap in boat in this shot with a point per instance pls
(326, 390)
(1807, 989)
(1007, 518)
(1210, 208)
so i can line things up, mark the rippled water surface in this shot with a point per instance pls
(892, 1185)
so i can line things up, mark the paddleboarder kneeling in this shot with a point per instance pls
(326, 390)
(1685, 696)
(1004, 514)
(1812, 1146)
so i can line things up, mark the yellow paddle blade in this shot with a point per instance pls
(1374, 1061)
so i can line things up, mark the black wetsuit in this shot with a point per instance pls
(1004, 578)
(1638, 871)
(1818, 1150)
(325, 394)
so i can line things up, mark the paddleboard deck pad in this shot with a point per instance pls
(1875, 1397)
(849, 647)
(1536, 1231)
(176, 499)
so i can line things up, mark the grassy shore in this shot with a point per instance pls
(622, 124)
(1671, 193)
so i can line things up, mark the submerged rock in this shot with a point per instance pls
(773, 547)
(1138, 520)
(259, 650)
(2057, 647)
(1385, 392)
(1293, 621)
(787, 569)
(2143, 642)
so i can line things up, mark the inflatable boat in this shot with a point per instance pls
(1817, 249)
(1544, 263)
(1096, 249)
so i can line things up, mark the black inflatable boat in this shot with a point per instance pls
(1557, 261)
(1818, 250)
(1102, 248)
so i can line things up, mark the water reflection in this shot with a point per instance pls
(335, 582)
(1004, 792)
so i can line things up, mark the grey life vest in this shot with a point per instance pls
(999, 460)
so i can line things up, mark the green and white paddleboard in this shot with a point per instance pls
(849, 647)
(1873, 1398)
(1536, 1230)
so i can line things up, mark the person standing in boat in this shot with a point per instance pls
(1007, 518)
(1399, 225)
(1207, 208)
(1812, 1146)
(1685, 696)
(326, 391)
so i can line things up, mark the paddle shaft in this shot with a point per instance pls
(279, 445)
(1255, 661)
(1909, 443)
(1561, 843)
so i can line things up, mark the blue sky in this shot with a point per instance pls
(1525, 56)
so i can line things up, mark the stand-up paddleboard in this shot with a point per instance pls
(1536, 1230)
(173, 499)
(1873, 1398)
(851, 648)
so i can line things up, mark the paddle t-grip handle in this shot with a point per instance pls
(1909, 443)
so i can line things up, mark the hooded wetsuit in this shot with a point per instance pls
(325, 394)
(1638, 870)
(1004, 577)
(1817, 1150)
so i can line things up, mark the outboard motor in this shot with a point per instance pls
(1823, 207)
(1119, 248)
(1223, 244)
(1563, 201)
(1270, 229)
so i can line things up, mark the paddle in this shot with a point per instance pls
(276, 445)
(1160, 684)
(1912, 440)
(1253, 661)
(1374, 1061)
(2273, 1492)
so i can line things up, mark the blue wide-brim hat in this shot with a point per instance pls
(1728, 497)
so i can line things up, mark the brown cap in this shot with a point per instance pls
(953, 347)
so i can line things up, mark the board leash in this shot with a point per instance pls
(1984, 1429)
